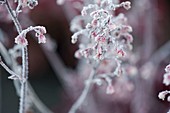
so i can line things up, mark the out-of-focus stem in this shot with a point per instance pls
(83, 95)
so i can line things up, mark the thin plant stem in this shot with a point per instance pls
(84, 93)
(24, 60)
(7, 69)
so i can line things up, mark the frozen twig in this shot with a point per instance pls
(24, 60)
(83, 95)
(9, 70)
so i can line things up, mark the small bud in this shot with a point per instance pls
(166, 79)
(21, 40)
(162, 95)
(32, 3)
(78, 54)
(41, 38)
(126, 5)
(120, 53)
(167, 69)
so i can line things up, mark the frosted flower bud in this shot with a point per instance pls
(84, 11)
(100, 39)
(166, 79)
(126, 5)
(110, 89)
(128, 37)
(120, 53)
(162, 95)
(32, 3)
(129, 28)
(167, 69)
(74, 38)
(88, 26)
(41, 38)
(78, 54)
(21, 40)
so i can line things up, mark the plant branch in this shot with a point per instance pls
(84, 93)
(24, 60)
(7, 69)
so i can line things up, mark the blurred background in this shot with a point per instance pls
(151, 31)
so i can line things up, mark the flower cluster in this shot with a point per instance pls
(39, 30)
(105, 37)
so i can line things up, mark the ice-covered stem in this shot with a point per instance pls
(24, 75)
(14, 75)
(86, 89)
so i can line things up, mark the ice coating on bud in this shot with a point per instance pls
(41, 38)
(126, 5)
(162, 94)
(167, 69)
(21, 40)
(166, 79)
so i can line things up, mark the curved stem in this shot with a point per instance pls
(83, 95)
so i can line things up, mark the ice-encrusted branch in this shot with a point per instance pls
(88, 84)
(20, 39)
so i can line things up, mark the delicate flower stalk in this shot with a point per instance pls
(21, 39)
(105, 39)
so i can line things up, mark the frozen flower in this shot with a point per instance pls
(126, 5)
(167, 69)
(21, 40)
(166, 79)
(41, 38)
(162, 95)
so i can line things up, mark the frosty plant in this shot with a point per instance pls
(166, 80)
(104, 42)
(22, 43)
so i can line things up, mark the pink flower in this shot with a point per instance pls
(41, 38)
(21, 40)
(167, 69)
(166, 79)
